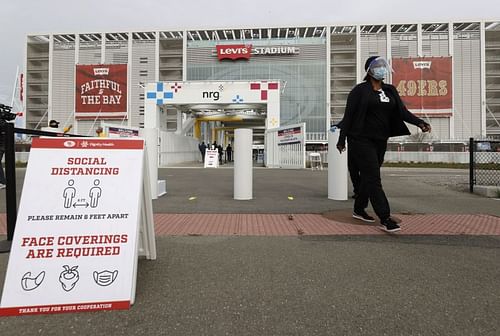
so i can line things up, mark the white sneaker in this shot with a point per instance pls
(2, 186)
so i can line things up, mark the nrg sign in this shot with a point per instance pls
(214, 95)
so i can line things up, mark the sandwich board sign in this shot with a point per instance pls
(211, 158)
(84, 218)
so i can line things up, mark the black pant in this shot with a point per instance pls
(368, 155)
(2, 175)
(353, 171)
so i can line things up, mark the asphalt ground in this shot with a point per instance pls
(313, 285)
(409, 190)
(304, 285)
(194, 189)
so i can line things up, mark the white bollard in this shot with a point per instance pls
(243, 173)
(337, 168)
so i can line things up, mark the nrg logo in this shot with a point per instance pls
(210, 95)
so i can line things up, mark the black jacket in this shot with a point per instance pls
(2, 139)
(355, 112)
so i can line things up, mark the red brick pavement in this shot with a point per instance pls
(313, 224)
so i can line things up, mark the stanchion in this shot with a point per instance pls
(10, 176)
(243, 173)
(337, 168)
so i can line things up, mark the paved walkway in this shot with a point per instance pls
(311, 224)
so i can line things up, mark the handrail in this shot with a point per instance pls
(10, 173)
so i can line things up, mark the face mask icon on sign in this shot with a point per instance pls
(105, 278)
(28, 283)
(69, 277)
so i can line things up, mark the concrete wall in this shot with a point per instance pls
(449, 157)
(176, 148)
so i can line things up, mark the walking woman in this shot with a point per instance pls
(374, 113)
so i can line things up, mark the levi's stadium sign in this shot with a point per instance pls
(245, 51)
(234, 51)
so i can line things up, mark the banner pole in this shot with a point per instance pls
(10, 177)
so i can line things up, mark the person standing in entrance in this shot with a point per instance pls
(220, 150)
(3, 181)
(203, 148)
(374, 113)
(229, 153)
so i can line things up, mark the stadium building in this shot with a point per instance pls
(447, 73)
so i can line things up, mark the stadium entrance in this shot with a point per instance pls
(212, 110)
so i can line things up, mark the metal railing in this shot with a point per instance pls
(484, 163)
(8, 131)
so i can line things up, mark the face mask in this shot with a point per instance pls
(379, 73)
(105, 278)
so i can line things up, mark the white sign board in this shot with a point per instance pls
(285, 147)
(290, 135)
(211, 158)
(116, 131)
(76, 239)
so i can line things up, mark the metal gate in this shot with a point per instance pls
(286, 147)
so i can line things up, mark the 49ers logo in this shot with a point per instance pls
(234, 51)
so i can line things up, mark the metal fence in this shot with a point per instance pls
(484, 163)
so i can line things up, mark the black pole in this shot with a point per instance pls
(471, 165)
(10, 176)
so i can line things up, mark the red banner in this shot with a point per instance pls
(424, 83)
(101, 91)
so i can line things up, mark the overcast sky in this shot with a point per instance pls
(22, 17)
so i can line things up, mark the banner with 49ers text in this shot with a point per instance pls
(101, 91)
(424, 84)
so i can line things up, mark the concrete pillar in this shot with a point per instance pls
(151, 135)
(337, 168)
(243, 173)
(179, 121)
(197, 129)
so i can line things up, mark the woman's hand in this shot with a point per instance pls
(341, 148)
(425, 127)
